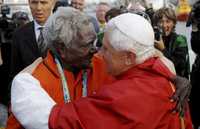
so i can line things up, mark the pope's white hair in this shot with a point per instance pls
(122, 42)
(63, 26)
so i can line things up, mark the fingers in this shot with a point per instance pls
(156, 41)
(183, 89)
(181, 106)
(156, 45)
(189, 89)
(181, 98)
(159, 44)
(176, 95)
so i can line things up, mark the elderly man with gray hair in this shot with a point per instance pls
(141, 72)
(70, 71)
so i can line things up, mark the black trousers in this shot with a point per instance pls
(195, 93)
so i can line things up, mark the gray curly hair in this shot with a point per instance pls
(64, 25)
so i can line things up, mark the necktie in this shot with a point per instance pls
(40, 41)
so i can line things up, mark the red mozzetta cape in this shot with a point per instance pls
(139, 99)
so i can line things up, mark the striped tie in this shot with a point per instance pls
(40, 41)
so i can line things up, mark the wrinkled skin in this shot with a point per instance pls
(80, 51)
(183, 89)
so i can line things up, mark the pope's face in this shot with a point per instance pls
(115, 60)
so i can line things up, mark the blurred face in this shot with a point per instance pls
(78, 4)
(41, 9)
(167, 25)
(101, 12)
(115, 60)
(22, 22)
(81, 50)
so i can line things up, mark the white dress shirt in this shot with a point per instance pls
(37, 30)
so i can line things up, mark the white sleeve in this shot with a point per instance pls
(30, 104)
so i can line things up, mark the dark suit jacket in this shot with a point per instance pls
(24, 49)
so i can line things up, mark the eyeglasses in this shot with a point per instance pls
(93, 48)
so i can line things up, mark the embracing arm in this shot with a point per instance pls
(20, 98)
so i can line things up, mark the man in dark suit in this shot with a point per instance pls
(26, 47)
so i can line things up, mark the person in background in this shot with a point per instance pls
(115, 11)
(20, 18)
(60, 3)
(141, 72)
(101, 10)
(80, 4)
(6, 29)
(194, 20)
(28, 44)
(172, 45)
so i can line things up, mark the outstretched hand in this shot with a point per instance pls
(183, 89)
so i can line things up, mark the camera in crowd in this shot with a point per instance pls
(6, 25)
(194, 17)
(4, 20)
(5, 10)
(20, 18)
(158, 32)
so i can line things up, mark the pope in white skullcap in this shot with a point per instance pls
(133, 33)
(135, 27)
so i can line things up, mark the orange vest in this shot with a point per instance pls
(46, 72)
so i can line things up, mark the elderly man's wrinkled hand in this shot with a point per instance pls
(183, 89)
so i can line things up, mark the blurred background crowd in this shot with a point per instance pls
(16, 13)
